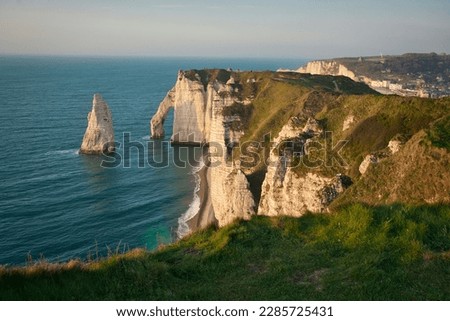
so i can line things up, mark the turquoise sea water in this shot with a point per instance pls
(57, 204)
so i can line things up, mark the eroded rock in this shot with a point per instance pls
(99, 135)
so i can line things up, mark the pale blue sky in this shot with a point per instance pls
(277, 28)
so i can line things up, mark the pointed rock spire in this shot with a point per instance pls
(99, 135)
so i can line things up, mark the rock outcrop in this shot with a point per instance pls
(99, 135)
(199, 119)
(369, 159)
(394, 145)
(285, 192)
(348, 122)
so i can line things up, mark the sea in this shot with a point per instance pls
(56, 204)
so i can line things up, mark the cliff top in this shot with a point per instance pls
(247, 82)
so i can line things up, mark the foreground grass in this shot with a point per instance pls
(358, 253)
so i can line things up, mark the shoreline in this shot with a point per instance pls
(205, 214)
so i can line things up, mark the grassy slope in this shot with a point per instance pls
(359, 253)
(419, 173)
(279, 96)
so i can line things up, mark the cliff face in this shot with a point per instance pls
(199, 119)
(285, 192)
(324, 67)
(192, 116)
(99, 135)
(230, 194)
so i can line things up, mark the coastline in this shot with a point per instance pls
(205, 214)
(200, 213)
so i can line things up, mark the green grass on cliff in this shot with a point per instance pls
(358, 253)
(439, 133)
(279, 96)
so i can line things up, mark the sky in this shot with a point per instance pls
(233, 28)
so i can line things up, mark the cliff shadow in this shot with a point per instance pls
(256, 180)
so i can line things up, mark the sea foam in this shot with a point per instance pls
(62, 152)
(194, 207)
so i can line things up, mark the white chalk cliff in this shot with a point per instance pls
(229, 189)
(99, 135)
(327, 67)
(284, 192)
(192, 112)
(198, 119)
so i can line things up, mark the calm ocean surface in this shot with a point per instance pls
(57, 204)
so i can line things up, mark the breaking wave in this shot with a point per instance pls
(194, 207)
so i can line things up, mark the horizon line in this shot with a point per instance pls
(58, 55)
(143, 56)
